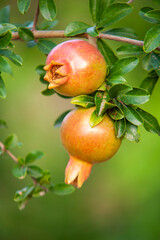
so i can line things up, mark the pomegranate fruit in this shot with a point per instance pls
(85, 145)
(75, 67)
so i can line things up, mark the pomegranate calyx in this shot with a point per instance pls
(55, 74)
(77, 172)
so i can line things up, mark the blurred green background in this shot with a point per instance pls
(120, 200)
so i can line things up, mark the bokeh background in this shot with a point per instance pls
(120, 200)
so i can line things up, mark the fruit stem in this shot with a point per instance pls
(77, 172)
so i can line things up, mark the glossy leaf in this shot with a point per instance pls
(63, 189)
(101, 103)
(149, 83)
(118, 90)
(47, 9)
(146, 63)
(113, 14)
(92, 31)
(116, 114)
(143, 13)
(4, 66)
(131, 132)
(95, 120)
(45, 179)
(150, 122)
(103, 87)
(129, 50)
(135, 97)
(59, 120)
(25, 34)
(152, 39)
(40, 70)
(34, 171)
(107, 52)
(11, 142)
(5, 27)
(19, 172)
(48, 25)
(3, 124)
(155, 14)
(132, 115)
(115, 79)
(33, 156)
(120, 127)
(124, 66)
(48, 92)
(75, 28)
(22, 194)
(45, 46)
(5, 14)
(155, 62)
(23, 5)
(3, 91)
(16, 59)
(83, 101)
(122, 32)
(5, 39)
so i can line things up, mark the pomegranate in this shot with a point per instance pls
(75, 67)
(85, 145)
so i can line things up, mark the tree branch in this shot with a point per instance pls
(8, 152)
(130, 1)
(36, 17)
(60, 34)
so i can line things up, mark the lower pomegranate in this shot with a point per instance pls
(85, 145)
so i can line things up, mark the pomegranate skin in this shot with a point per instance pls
(93, 145)
(75, 67)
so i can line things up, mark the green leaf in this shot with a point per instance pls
(131, 132)
(21, 161)
(95, 120)
(3, 124)
(129, 50)
(113, 14)
(103, 87)
(45, 46)
(33, 156)
(22, 194)
(157, 1)
(155, 14)
(34, 171)
(120, 127)
(124, 66)
(102, 103)
(149, 83)
(75, 28)
(3, 92)
(5, 39)
(45, 179)
(132, 115)
(92, 31)
(135, 97)
(118, 90)
(150, 122)
(143, 13)
(63, 189)
(152, 39)
(107, 52)
(116, 114)
(25, 34)
(115, 79)
(155, 62)
(4, 66)
(83, 101)
(11, 141)
(23, 5)
(47, 9)
(40, 70)
(48, 92)
(16, 59)
(19, 172)
(5, 27)
(146, 63)
(59, 120)
(38, 192)
(47, 25)
(5, 14)
(122, 32)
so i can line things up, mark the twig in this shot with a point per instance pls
(60, 34)
(36, 17)
(130, 1)
(8, 152)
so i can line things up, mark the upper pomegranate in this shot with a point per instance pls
(75, 67)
